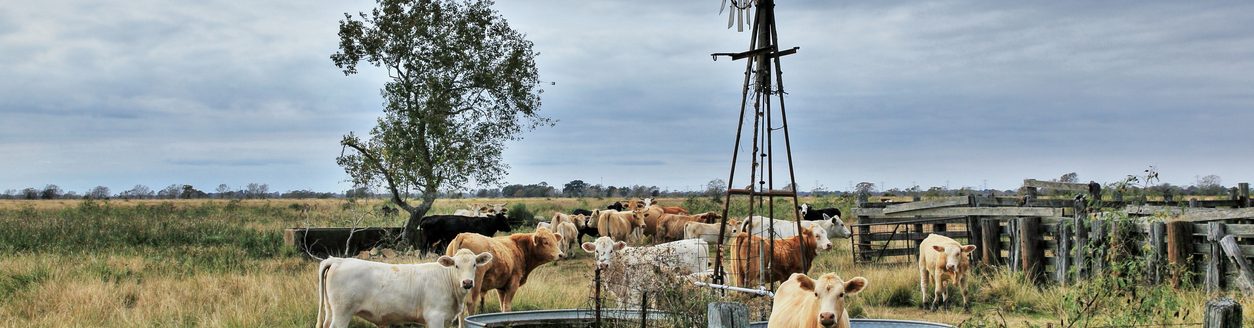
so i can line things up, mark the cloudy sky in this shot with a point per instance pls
(928, 93)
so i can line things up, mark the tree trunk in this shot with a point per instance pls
(412, 236)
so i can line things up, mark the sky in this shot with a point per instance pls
(945, 93)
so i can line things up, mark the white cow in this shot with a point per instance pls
(759, 226)
(388, 294)
(632, 269)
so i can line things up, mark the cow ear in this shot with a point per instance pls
(855, 285)
(938, 248)
(446, 261)
(968, 248)
(806, 283)
(619, 246)
(483, 258)
(559, 236)
(589, 247)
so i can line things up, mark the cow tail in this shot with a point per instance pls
(323, 307)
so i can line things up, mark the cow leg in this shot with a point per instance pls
(938, 279)
(435, 319)
(961, 283)
(507, 296)
(340, 318)
(923, 285)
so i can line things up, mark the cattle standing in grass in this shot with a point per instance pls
(788, 258)
(628, 271)
(515, 256)
(760, 226)
(802, 302)
(945, 260)
(650, 216)
(617, 206)
(438, 230)
(580, 211)
(671, 226)
(809, 213)
(673, 210)
(618, 225)
(391, 294)
(709, 231)
(568, 231)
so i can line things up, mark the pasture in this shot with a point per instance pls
(223, 264)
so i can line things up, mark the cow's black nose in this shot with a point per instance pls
(468, 284)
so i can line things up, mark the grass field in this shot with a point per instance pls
(222, 263)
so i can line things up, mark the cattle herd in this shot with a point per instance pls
(668, 241)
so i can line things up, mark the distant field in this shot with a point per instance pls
(222, 263)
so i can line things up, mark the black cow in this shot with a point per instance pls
(617, 206)
(585, 227)
(580, 211)
(439, 230)
(809, 213)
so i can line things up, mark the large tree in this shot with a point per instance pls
(461, 83)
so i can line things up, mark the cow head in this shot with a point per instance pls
(820, 238)
(710, 217)
(545, 244)
(604, 249)
(465, 262)
(648, 201)
(956, 258)
(617, 206)
(831, 292)
(500, 222)
(842, 230)
(804, 208)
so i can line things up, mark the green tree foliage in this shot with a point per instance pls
(461, 83)
(574, 188)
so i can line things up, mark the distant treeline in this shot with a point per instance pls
(1208, 185)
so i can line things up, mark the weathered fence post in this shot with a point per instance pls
(1158, 230)
(1098, 243)
(992, 241)
(727, 314)
(976, 236)
(1012, 256)
(1030, 198)
(864, 240)
(1033, 255)
(1082, 248)
(1222, 312)
(1179, 249)
(644, 309)
(1243, 199)
(1245, 274)
(1215, 259)
(1061, 258)
(596, 300)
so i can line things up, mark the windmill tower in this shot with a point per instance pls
(763, 96)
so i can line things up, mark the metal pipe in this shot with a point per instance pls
(760, 292)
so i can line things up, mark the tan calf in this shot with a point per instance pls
(802, 302)
(946, 261)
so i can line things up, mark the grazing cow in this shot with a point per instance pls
(760, 226)
(391, 294)
(587, 225)
(786, 259)
(809, 303)
(673, 210)
(671, 226)
(628, 271)
(946, 260)
(709, 231)
(515, 256)
(618, 225)
(438, 230)
(809, 213)
(650, 215)
(568, 231)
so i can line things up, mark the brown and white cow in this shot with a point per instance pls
(671, 226)
(787, 257)
(389, 294)
(515, 256)
(802, 302)
(945, 260)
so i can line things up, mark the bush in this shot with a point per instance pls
(520, 215)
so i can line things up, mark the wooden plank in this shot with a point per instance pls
(1245, 279)
(1099, 242)
(1055, 185)
(975, 235)
(912, 236)
(1222, 312)
(992, 241)
(1214, 258)
(1062, 263)
(876, 213)
(1240, 230)
(1179, 242)
(1226, 214)
(935, 203)
(1158, 250)
(1168, 210)
(1031, 253)
(1081, 261)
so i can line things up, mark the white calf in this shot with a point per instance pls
(388, 294)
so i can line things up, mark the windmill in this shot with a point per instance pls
(763, 94)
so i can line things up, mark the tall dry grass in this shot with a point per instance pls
(220, 264)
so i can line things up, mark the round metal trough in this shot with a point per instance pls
(584, 318)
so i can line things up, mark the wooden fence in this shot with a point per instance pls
(1060, 241)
